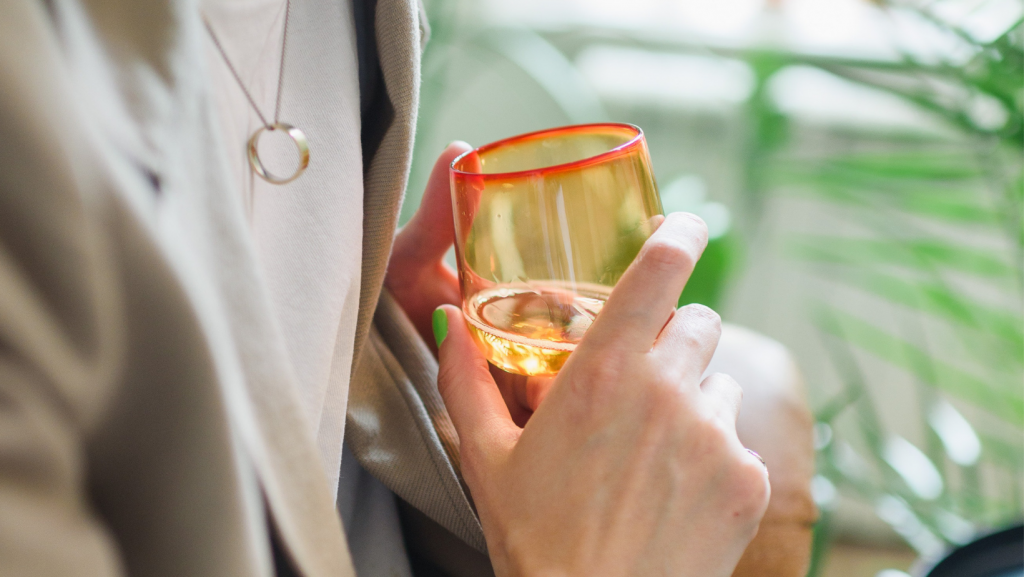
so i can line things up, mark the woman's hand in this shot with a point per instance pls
(632, 465)
(417, 275)
(420, 280)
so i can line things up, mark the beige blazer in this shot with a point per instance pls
(148, 420)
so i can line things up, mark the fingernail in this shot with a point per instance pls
(440, 326)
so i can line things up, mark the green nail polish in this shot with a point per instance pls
(440, 326)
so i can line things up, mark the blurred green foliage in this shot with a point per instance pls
(923, 206)
(711, 276)
(940, 246)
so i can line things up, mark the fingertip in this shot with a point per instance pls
(694, 224)
(451, 312)
(460, 145)
(682, 214)
(689, 221)
(454, 149)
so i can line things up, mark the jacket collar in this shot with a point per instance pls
(399, 31)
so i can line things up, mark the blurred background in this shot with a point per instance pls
(859, 165)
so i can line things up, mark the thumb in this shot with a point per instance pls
(431, 230)
(474, 402)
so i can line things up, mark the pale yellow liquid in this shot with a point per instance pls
(531, 329)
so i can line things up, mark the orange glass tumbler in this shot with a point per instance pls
(545, 225)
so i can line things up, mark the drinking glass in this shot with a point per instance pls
(545, 225)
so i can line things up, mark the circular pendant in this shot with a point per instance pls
(297, 136)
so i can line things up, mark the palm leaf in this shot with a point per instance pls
(1001, 399)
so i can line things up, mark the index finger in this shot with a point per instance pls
(646, 295)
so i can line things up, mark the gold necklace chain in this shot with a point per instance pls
(297, 136)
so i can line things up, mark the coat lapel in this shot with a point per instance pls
(397, 425)
(399, 429)
(398, 34)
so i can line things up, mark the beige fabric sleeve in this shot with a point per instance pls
(58, 333)
(398, 427)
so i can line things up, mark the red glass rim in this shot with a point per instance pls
(538, 134)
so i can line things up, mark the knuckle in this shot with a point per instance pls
(728, 384)
(749, 489)
(469, 455)
(598, 379)
(665, 402)
(724, 378)
(450, 374)
(698, 326)
(473, 454)
(471, 451)
(711, 440)
(471, 458)
(689, 340)
(698, 313)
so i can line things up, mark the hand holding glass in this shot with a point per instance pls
(545, 224)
